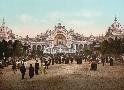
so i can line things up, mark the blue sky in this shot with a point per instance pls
(85, 16)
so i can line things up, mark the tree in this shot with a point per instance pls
(17, 48)
(87, 52)
(122, 45)
(112, 46)
(10, 48)
(104, 46)
(1, 50)
(4, 45)
(25, 49)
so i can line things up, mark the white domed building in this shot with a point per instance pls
(115, 30)
(5, 32)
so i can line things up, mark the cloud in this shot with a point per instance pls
(84, 27)
(79, 22)
(28, 19)
(89, 13)
(25, 18)
(81, 13)
(56, 14)
(82, 21)
(31, 30)
(32, 25)
(43, 21)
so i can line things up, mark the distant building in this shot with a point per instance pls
(115, 30)
(5, 32)
(58, 40)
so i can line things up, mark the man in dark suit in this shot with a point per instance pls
(23, 70)
(111, 61)
(103, 60)
(36, 67)
(31, 71)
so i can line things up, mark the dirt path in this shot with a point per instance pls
(66, 77)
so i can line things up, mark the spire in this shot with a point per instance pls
(3, 23)
(115, 19)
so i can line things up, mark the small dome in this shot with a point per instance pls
(59, 24)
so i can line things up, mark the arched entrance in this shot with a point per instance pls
(85, 45)
(60, 39)
(39, 52)
(38, 47)
(34, 47)
(80, 47)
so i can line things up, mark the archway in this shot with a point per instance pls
(39, 51)
(43, 47)
(60, 39)
(80, 47)
(38, 47)
(34, 47)
(77, 47)
(85, 46)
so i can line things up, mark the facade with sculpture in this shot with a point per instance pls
(59, 40)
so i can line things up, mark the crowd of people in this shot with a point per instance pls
(23, 66)
(47, 60)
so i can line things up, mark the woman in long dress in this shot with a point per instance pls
(43, 70)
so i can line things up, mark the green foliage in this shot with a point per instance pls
(111, 46)
(104, 46)
(87, 52)
(17, 48)
(12, 49)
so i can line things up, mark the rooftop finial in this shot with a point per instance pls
(59, 24)
(3, 22)
(115, 19)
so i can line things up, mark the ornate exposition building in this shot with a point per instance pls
(59, 40)
(5, 32)
(115, 30)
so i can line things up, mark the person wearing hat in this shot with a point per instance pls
(31, 71)
(111, 61)
(36, 67)
(23, 70)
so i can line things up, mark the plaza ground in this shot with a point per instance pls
(66, 77)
